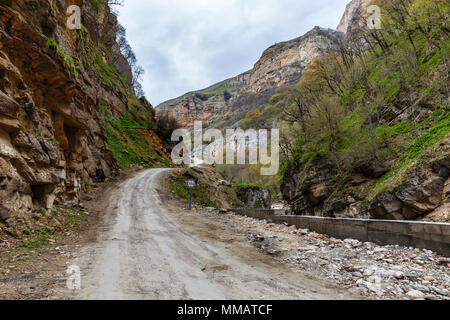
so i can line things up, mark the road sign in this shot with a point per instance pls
(191, 183)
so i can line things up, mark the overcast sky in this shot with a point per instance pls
(186, 45)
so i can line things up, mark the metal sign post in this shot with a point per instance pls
(191, 186)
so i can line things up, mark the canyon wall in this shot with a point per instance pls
(395, 183)
(56, 86)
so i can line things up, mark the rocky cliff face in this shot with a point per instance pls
(254, 197)
(382, 186)
(226, 103)
(280, 65)
(56, 85)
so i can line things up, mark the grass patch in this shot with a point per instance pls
(98, 5)
(110, 76)
(41, 240)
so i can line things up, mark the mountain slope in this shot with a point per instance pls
(226, 103)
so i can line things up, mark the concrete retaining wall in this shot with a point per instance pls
(423, 235)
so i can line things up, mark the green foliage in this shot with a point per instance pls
(221, 88)
(416, 147)
(98, 4)
(249, 176)
(124, 154)
(142, 117)
(353, 97)
(39, 242)
(130, 147)
(92, 58)
(35, 241)
(73, 217)
(427, 139)
(262, 117)
(92, 54)
(110, 76)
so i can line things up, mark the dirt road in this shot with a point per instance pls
(147, 250)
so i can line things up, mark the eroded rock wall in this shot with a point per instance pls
(283, 63)
(254, 197)
(52, 136)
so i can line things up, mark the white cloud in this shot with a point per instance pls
(186, 45)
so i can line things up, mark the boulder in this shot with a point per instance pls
(52, 151)
(21, 140)
(36, 151)
(441, 214)
(390, 203)
(8, 124)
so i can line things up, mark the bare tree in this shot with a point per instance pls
(128, 53)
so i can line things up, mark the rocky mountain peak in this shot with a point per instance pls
(282, 64)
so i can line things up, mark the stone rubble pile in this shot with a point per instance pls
(379, 272)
